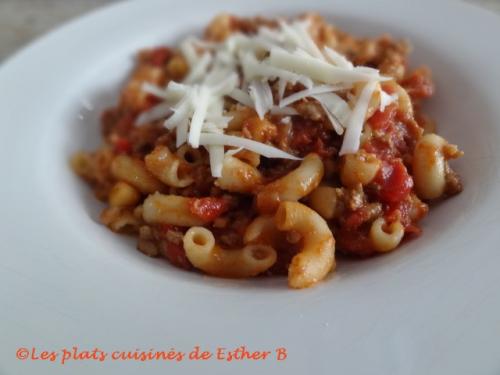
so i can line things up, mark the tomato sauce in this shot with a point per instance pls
(399, 211)
(208, 208)
(159, 56)
(384, 121)
(175, 254)
(151, 101)
(310, 137)
(394, 181)
(355, 219)
(395, 136)
(419, 84)
(390, 135)
(354, 242)
(122, 145)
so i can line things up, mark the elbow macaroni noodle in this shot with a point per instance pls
(323, 200)
(359, 168)
(295, 185)
(263, 230)
(430, 165)
(404, 101)
(170, 210)
(190, 155)
(238, 176)
(206, 255)
(167, 167)
(134, 172)
(249, 157)
(123, 195)
(382, 240)
(316, 258)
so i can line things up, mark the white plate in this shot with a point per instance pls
(431, 308)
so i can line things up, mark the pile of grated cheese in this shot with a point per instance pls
(241, 68)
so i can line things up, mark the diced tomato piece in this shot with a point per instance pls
(355, 219)
(383, 120)
(122, 145)
(399, 211)
(123, 123)
(209, 208)
(354, 243)
(159, 56)
(380, 148)
(175, 254)
(151, 101)
(413, 230)
(395, 182)
(419, 84)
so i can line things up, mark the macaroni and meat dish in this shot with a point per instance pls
(267, 145)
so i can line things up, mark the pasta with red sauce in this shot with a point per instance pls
(269, 145)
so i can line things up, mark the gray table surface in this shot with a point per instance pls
(23, 20)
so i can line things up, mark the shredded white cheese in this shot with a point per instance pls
(338, 59)
(158, 112)
(181, 133)
(216, 155)
(181, 112)
(189, 52)
(208, 139)
(247, 68)
(337, 106)
(320, 89)
(386, 99)
(201, 98)
(233, 151)
(316, 69)
(241, 97)
(283, 111)
(337, 125)
(199, 70)
(281, 88)
(355, 125)
(253, 68)
(262, 96)
(154, 90)
(298, 36)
